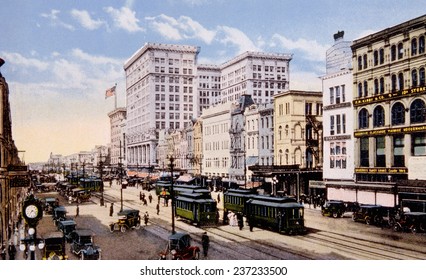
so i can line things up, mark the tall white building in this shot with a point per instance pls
(208, 86)
(117, 124)
(258, 74)
(338, 169)
(160, 93)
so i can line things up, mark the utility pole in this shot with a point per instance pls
(171, 165)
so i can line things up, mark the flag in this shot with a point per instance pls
(110, 92)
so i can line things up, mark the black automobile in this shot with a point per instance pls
(410, 221)
(59, 214)
(54, 247)
(333, 208)
(83, 246)
(371, 214)
(50, 203)
(127, 219)
(179, 247)
(67, 227)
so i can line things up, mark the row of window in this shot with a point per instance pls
(417, 114)
(418, 78)
(418, 148)
(396, 52)
(338, 124)
(337, 94)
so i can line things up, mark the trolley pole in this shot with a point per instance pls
(171, 165)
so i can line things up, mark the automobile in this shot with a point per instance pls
(50, 203)
(83, 246)
(67, 227)
(333, 208)
(179, 248)
(371, 214)
(54, 247)
(79, 195)
(59, 214)
(410, 221)
(127, 219)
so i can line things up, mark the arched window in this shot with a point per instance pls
(359, 63)
(421, 77)
(414, 46)
(359, 90)
(365, 61)
(376, 86)
(378, 116)
(398, 114)
(414, 79)
(417, 111)
(400, 50)
(393, 83)
(376, 58)
(286, 156)
(286, 130)
(401, 81)
(393, 52)
(421, 44)
(382, 85)
(280, 131)
(363, 118)
(381, 56)
(365, 88)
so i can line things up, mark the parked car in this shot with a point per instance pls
(333, 208)
(179, 248)
(83, 246)
(54, 247)
(59, 214)
(67, 227)
(50, 203)
(371, 214)
(410, 221)
(127, 219)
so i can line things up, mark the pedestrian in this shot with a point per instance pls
(150, 198)
(111, 209)
(145, 202)
(140, 196)
(205, 241)
(240, 221)
(218, 198)
(77, 211)
(146, 218)
(158, 208)
(12, 251)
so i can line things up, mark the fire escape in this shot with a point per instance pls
(313, 140)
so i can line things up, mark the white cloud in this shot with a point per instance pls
(229, 35)
(24, 62)
(125, 18)
(181, 28)
(78, 53)
(84, 18)
(55, 20)
(364, 33)
(305, 81)
(312, 49)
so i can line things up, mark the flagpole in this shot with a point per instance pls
(115, 97)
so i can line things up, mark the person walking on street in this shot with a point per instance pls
(158, 208)
(77, 211)
(146, 218)
(11, 251)
(150, 198)
(205, 241)
(111, 209)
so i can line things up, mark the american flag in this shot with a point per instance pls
(110, 92)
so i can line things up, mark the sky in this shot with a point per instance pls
(61, 56)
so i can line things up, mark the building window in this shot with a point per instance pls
(393, 53)
(421, 77)
(398, 114)
(401, 81)
(382, 85)
(376, 86)
(421, 44)
(380, 152)
(393, 83)
(280, 131)
(378, 116)
(381, 56)
(400, 51)
(414, 79)
(414, 46)
(417, 111)
(359, 63)
(331, 95)
(331, 125)
(398, 151)
(359, 90)
(364, 149)
(418, 144)
(343, 123)
(363, 119)
(343, 93)
(365, 61)
(338, 124)
(337, 95)
(365, 88)
(376, 58)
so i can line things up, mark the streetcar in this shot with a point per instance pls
(92, 184)
(197, 208)
(182, 188)
(280, 214)
(234, 200)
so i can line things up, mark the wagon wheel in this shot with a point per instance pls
(123, 228)
(111, 227)
(335, 215)
(368, 220)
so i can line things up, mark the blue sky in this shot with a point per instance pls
(61, 56)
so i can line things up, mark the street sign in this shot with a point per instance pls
(19, 181)
(17, 170)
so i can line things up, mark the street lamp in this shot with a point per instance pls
(101, 167)
(31, 242)
(171, 165)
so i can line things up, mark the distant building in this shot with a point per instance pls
(118, 122)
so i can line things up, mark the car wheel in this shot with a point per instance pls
(111, 228)
(138, 225)
(368, 220)
(414, 229)
(335, 215)
(323, 212)
(353, 217)
(422, 227)
(395, 227)
(123, 229)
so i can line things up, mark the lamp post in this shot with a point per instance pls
(171, 165)
(101, 167)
